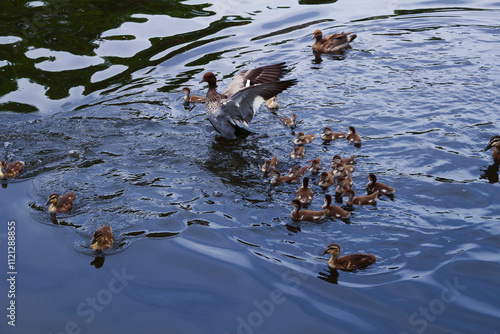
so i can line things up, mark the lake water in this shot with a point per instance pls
(90, 99)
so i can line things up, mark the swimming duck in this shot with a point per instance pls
(303, 139)
(305, 194)
(360, 200)
(297, 171)
(341, 187)
(332, 43)
(315, 166)
(270, 165)
(10, 170)
(60, 204)
(353, 136)
(298, 152)
(328, 135)
(326, 179)
(348, 262)
(188, 98)
(343, 170)
(272, 103)
(333, 210)
(102, 239)
(230, 112)
(346, 161)
(374, 186)
(276, 178)
(307, 215)
(290, 122)
(495, 143)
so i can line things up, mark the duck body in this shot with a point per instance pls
(188, 98)
(353, 136)
(305, 194)
(328, 135)
(305, 215)
(276, 178)
(334, 211)
(326, 179)
(303, 139)
(495, 143)
(102, 239)
(374, 186)
(10, 170)
(297, 171)
(298, 152)
(272, 103)
(348, 262)
(343, 170)
(59, 204)
(360, 200)
(315, 166)
(230, 112)
(270, 165)
(332, 43)
(346, 161)
(289, 121)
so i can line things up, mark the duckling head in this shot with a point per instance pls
(494, 142)
(53, 198)
(372, 178)
(186, 90)
(328, 200)
(296, 204)
(96, 239)
(333, 250)
(351, 130)
(327, 131)
(317, 34)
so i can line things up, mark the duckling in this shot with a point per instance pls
(374, 186)
(269, 165)
(326, 179)
(272, 103)
(307, 215)
(346, 161)
(343, 170)
(290, 122)
(102, 239)
(315, 166)
(353, 136)
(276, 178)
(297, 171)
(305, 194)
(332, 43)
(60, 204)
(333, 210)
(341, 187)
(495, 143)
(303, 139)
(348, 262)
(230, 112)
(191, 98)
(328, 135)
(10, 170)
(360, 200)
(298, 152)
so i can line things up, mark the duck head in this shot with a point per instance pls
(318, 35)
(494, 142)
(209, 78)
(53, 198)
(372, 178)
(333, 250)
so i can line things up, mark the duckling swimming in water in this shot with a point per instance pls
(59, 204)
(305, 194)
(346, 161)
(360, 200)
(315, 166)
(10, 170)
(269, 165)
(191, 98)
(495, 143)
(303, 139)
(374, 186)
(298, 152)
(272, 103)
(326, 179)
(348, 262)
(341, 187)
(343, 170)
(353, 136)
(297, 171)
(276, 178)
(333, 210)
(332, 43)
(102, 239)
(328, 135)
(291, 122)
(306, 215)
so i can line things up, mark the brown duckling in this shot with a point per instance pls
(326, 179)
(60, 204)
(272, 103)
(332, 43)
(303, 139)
(297, 171)
(333, 210)
(495, 143)
(346, 161)
(343, 170)
(348, 262)
(10, 170)
(269, 165)
(188, 98)
(328, 135)
(315, 166)
(307, 215)
(103, 238)
(360, 200)
(341, 187)
(374, 186)
(276, 178)
(305, 194)
(353, 136)
(289, 121)
(298, 152)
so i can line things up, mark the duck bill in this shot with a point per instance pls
(325, 252)
(487, 147)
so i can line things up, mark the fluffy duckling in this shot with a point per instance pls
(495, 143)
(303, 139)
(307, 215)
(289, 121)
(272, 103)
(328, 135)
(10, 170)
(298, 152)
(332, 43)
(341, 187)
(343, 170)
(360, 200)
(269, 165)
(348, 262)
(374, 186)
(276, 178)
(297, 171)
(315, 166)
(188, 98)
(102, 239)
(326, 179)
(305, 194)
(353, 136)
(346, 161)
(333, 210)
(60, 204)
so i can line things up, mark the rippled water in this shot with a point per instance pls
(90, 100)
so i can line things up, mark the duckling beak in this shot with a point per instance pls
(487, 147)
(93, 241)
(325, 252)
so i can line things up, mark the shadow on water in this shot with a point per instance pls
(491, 172)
